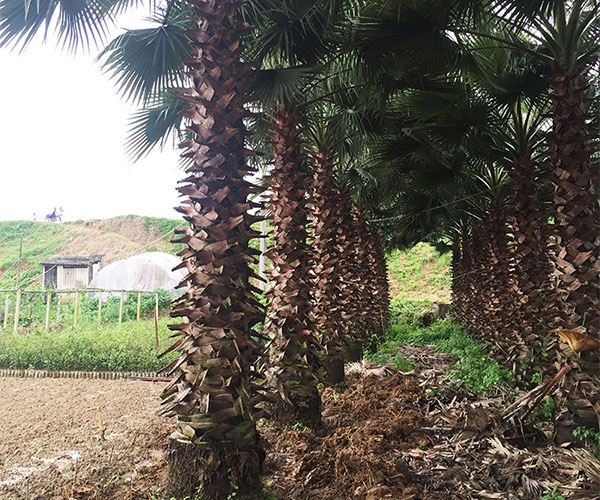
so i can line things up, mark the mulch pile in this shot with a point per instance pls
(358, 452)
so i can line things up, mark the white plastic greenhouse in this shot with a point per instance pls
(145, 273)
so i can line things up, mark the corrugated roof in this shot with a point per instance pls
(73, 260)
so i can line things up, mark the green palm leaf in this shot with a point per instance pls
(75, 22)
(150, 60)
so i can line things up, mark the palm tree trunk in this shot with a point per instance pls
(502, 332)
(577, 218)
(383, 284)
(294, 357)
(355, 296)
(328, 293)
(458, 282)
(532, 268)
(576, 230)
(215, 450)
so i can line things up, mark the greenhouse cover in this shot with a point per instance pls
(145, 273)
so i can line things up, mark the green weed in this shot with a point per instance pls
(552, 495)
(474, 367)
(591, 439)
(420, 269)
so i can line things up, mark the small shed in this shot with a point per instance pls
(70, 272)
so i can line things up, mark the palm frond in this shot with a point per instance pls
(75, 22)
(154, 125)
(147, 61)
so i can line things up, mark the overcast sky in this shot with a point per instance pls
(62, 135)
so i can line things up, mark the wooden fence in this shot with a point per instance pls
(12, 300)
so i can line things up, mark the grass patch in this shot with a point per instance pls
(120, 347)
(474, 367)
(421, 270)
(41, 240)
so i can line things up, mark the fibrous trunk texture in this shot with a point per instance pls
(383, 284)
(294, 354)
(215, 450)
(354, 285)
(458, 281)
(486, 291)
(532, 269)
(368, 269)
(328, 290)
(577, 225)
(576, 230)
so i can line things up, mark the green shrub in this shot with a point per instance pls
(116, 347)
(407, 311)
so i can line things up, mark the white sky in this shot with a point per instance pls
(62, 134)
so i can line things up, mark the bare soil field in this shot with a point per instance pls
(385, 436)
(50, 446)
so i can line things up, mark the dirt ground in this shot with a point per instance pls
(386, 435)
(50, 446)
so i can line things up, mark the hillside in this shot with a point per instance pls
(116, 238)
(420, 273)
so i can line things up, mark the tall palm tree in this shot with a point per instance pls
(567, 32)
(290, 44)
(215, 450)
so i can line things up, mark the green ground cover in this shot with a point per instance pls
(121, 347)
(474, 367)
(41, 240)
(420, 272)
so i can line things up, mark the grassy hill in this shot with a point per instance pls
(420, 273)
(116, 238)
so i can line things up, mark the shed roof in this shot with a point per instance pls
(73, 260)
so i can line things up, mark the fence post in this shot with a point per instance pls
(139, 306)
(99, 307)
(57, 307)
(48, 303)
(121, 306)
(6, 311)
(156, 318)
(17, 309)
(76, 311)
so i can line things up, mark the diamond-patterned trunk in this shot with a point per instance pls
(576, 229)
(215, 449)
(576, 213)
(532, 269)
(294, 356)
(328, 290)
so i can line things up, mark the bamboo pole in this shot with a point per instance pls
(48, 304)
(156, 319)
(6, 305)
(76, 311)
(99, 307)
(17, 310)
(139, 304)
(121, 306)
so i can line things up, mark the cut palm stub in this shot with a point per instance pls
(577, 340)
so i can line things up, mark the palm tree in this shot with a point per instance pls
(215, 449)
(328, 306)
(290, 43)
(567, 32)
